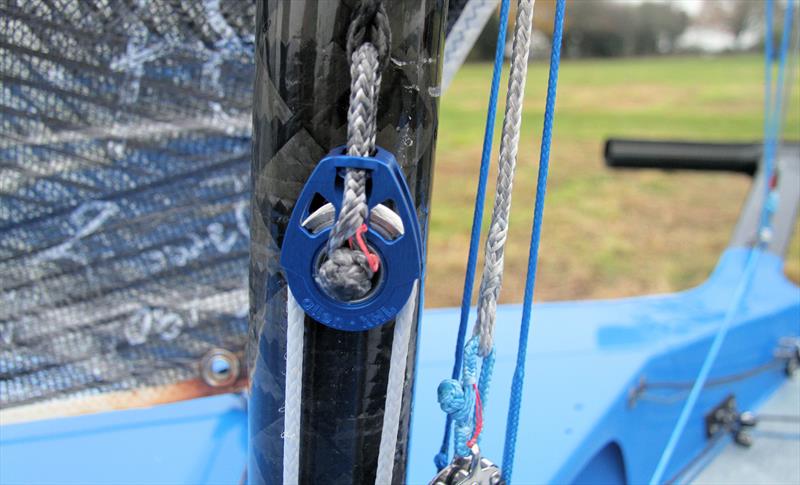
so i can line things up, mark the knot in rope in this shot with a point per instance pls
(370, 23)
(458, 401)
(455, 400)
(346, 274)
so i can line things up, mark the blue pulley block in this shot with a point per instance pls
(303, 249)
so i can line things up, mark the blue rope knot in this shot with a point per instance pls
(441, 458)
(455, 400)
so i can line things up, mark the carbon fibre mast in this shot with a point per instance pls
(300, 106)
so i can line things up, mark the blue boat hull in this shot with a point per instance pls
(579, 423)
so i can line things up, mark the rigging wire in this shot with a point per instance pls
(515, 400)
(772, 115)
(442, 457)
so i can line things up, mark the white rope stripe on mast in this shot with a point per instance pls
(295, 332)
(394, 389)
(350, 277)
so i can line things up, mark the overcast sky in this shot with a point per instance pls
(690, 6)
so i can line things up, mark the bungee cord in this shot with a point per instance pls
(678, 390)
(773, 114)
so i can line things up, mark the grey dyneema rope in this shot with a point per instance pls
(492, 278)
(346, 274)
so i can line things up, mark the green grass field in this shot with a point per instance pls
(606, 233)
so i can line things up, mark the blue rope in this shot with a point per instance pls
(457, 397)
(442, 458)
(768, 53)
(769, 12)
(773, 114)
(515, 400)
(713, 351)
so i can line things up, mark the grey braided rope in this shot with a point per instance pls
(346, 273)
(492, 278)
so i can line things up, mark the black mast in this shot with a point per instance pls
(300, 112)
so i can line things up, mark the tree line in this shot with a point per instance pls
(611, 28)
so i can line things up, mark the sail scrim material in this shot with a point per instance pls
(124, 199)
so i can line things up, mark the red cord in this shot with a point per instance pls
(478, 418)
(373, 259)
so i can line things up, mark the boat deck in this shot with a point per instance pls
(586, 417)
(774, 456)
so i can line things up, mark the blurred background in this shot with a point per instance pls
(125, 159)
(679, 70)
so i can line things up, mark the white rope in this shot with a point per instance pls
(295, 330)
(395, 388)
(462, 37)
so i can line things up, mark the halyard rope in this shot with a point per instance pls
(394, 389)
(441, 459)
(515, 401)
(492, 279)
(457, 398)
(464, 33)
(361, 128)
(347, 273)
